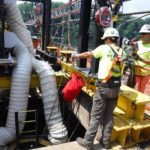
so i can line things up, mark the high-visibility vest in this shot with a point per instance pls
(140, 67)
(116, 67)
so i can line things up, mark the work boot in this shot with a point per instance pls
(106, 146)
(82, 142)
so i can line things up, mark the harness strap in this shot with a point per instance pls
(116, 58)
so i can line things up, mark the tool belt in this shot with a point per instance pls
(112, 82)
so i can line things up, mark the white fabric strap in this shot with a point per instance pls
(10, 39)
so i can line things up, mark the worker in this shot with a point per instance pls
(37, 26)
(142, 63)
(106, 95)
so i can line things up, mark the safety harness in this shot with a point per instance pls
(116, 65)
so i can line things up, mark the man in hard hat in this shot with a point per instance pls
(142, 63)
(105, 98)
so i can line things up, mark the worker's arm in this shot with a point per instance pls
(145, 61)
(85, 55)
(137, 57)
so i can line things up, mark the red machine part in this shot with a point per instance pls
(103, 16)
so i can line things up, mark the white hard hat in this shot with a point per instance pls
(110, 32)
(145, 29)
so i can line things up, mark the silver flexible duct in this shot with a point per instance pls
(18, 93)
(18, 26)
(57, 131)
(19, 87)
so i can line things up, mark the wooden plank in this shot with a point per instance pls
(68, 146)
(52, 48)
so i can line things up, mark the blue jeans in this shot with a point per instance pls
(104, 103)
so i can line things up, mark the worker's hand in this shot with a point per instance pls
(137, 57)
(74, 55)
(120, 58)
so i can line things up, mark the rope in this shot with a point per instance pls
(52, 41)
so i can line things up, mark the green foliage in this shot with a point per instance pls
(26, 9)
(56, 4)
(129, 26)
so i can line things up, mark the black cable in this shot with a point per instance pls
(52, 109)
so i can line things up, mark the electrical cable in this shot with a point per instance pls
(137, 18)
(75, 115)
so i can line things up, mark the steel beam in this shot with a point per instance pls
(83, 29)
(97, 40)
(135, 13)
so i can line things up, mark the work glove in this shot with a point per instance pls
(74, 55)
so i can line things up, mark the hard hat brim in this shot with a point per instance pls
(103, 38)
(144, 32)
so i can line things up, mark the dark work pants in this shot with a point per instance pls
(104, 103)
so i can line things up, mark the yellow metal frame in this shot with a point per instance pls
(5, 81)
(88, 88)
(129, 123)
